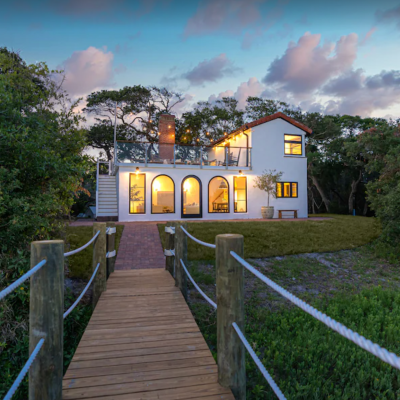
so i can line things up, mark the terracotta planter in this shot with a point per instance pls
(267, 212)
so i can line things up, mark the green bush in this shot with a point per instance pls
(310, 361)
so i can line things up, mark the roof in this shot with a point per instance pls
(265, 119)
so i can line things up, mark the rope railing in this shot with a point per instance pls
(259, 364)
(70, 253)
(21, 280)
(82, 294)
(212, 246)
(197, 287)
(24, 371)
(366, 344)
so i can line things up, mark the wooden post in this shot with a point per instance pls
(110, 249)
(180, 253)
(46, 320)
(230, 308)
(99, 256)
(170, 245)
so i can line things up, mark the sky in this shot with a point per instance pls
(339, 56)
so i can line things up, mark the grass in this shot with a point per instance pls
(80, 264)
(269, 239)
(307, 359)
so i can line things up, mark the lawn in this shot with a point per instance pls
(330, 265)
(268, 239)
(80, 264)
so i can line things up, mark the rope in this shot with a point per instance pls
(70, 253)
(197, 240)
(259, 364)
(21, 280)
(197, 287)
(356, 338)
(24, 371)
(82, 294)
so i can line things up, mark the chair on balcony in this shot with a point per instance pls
(233, 161)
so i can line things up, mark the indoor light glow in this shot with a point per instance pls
(157, 185)
(186, 186)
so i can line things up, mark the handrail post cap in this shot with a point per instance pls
(229, 236)
(57, 241)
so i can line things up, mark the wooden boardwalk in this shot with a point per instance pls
(142, 342)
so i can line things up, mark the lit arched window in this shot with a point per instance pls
(218, 195)
(191, 197)
(162, 195)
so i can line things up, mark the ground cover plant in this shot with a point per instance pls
(307, 359)
(267, 239)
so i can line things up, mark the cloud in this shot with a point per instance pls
(213, 15)
(368, 35)
(391, 15)
(78, 8)
(253, 87)
(120, 69)
(307, 64)
(210, 70)
(135, 36)
(35, 26)
(88, 70)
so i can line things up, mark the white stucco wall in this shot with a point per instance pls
(267, 142)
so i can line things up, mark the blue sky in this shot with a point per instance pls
(341, 56)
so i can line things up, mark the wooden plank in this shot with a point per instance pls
(139, 376)
(101, 353)
(108, 362)
(144, 345)
(74, 374)
(136, 387)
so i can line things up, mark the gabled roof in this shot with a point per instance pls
(268, 118)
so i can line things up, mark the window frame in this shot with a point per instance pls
(151, 194)
(200, 215)
(247, 196)
(292, 141)
(145, 194)
(291, 190)
(208, 198)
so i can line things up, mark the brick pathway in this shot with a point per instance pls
(140, 247)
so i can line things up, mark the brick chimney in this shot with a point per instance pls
(166, 131)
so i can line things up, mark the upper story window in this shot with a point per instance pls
(293, 145)
(286, 189)
(137, 193)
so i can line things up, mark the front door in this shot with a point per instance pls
(191, 197)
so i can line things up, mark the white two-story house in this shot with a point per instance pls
(167, 181)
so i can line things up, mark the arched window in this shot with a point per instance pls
(218, 195)
(192, 206)
(162, 195)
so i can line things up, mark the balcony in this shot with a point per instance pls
(182, 156)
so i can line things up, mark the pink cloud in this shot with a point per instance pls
(88, 70)
(368, 35)
(306, 65)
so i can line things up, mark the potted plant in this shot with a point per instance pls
(267, 182)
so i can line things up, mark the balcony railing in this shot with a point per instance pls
(178, 154)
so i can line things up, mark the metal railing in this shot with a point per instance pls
(230, 275)
(52, 254)
(179, 154)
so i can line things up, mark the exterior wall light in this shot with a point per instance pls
(240, 172)
(137, 170)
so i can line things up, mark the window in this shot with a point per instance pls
(293, 145)
(218, 195)
(286, 189)
(240, 193)
(191, 197)
(137, 193)
(162, 195)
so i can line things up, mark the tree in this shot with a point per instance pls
(137, 114)
(267, 182)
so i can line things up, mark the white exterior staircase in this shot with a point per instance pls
(107, 204)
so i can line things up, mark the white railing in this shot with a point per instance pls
(373, 348)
